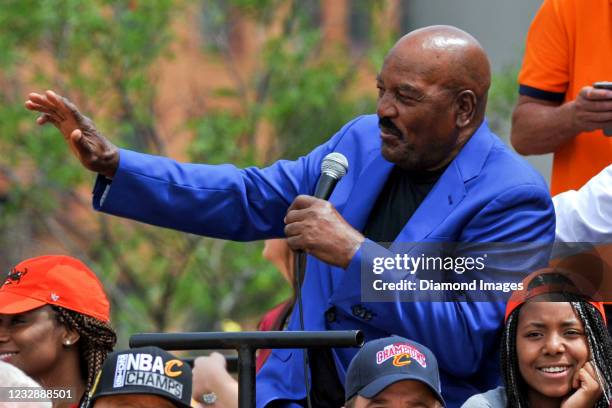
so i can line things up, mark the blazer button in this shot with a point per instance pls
(330, 315)
(368, 316)
(358, 311)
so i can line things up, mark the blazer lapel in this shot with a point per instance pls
(450, 189)
(358, 204)
(439, 203)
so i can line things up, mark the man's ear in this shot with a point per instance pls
(466, 103)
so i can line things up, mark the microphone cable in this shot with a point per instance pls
(300, 272)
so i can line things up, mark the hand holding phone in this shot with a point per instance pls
(604, 85)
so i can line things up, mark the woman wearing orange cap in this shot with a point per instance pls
(555, 351)
(54, 324)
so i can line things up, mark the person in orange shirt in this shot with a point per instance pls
(569, 47)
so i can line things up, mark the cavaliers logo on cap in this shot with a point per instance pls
(14, 276)
(401, 360)
(402, 354)
(170, 370)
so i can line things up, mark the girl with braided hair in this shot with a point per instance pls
(555, 351)
(55, 325)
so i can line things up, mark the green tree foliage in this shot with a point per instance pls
(502, 98)
(104, 55)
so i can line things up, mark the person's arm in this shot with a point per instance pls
(219, 201)
(586, 215)
(540, 126)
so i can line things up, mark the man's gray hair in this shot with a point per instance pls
(12, 377)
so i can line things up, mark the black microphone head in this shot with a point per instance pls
(335, 165)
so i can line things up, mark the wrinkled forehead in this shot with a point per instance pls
(415, 62)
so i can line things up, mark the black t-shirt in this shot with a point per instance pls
(402, 194)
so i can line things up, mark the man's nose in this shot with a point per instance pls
(385, 107)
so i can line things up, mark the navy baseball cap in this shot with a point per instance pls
(144, 370)
(383, 362)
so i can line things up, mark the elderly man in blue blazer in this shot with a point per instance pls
(425, 168)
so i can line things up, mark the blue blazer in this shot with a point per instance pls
(487, 194)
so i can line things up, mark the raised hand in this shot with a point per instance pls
(315, 227)
(93, 150)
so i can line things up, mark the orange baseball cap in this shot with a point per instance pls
(512, 305)
(54, 280)
(566, 285)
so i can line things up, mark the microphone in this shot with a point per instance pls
(333, 167)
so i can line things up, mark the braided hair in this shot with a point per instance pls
(97, 339)
(598, 340)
